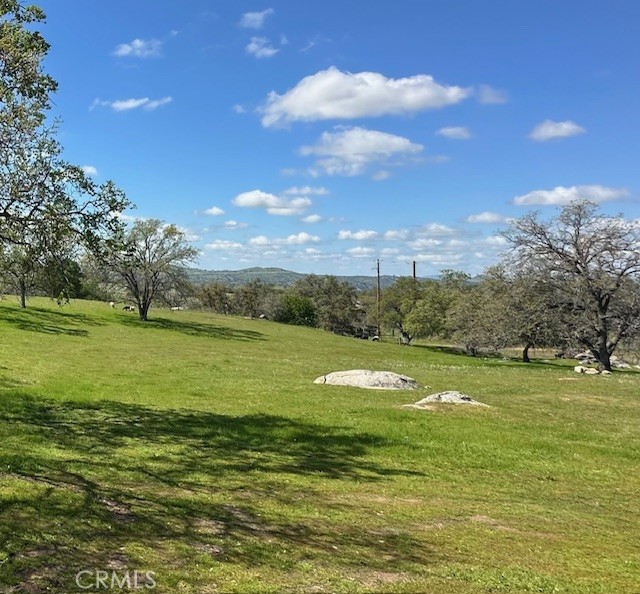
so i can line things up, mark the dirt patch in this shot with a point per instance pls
(209, 549)
(120, 511)
(208, 526)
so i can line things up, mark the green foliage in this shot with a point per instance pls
(334, 302)
(217, 297)
(421, 309)
(297, 310)
(148, 260)
(46, 203)
(250, 298)
(63, 279)
(22, 50)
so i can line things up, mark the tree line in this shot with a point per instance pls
(569, 282)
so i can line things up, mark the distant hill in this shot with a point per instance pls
(276, 276)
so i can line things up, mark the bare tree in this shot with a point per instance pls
(149, 261)
(593, 263)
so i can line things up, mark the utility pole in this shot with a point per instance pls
(415, 279)
(378, 296)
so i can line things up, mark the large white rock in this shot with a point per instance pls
(365, 378)
(449, 397)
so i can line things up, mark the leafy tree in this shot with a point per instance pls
(593, 263)
(217, 297)
(420, 309)
(533, 315)
(297, 310)
(250, 297)
(148, 260)
(335, 302)
(429, 315)
(44, 200)
(397, 303)
(21, 51)
(478, 318)
(61, 278)
(19, 268)
(508, 308)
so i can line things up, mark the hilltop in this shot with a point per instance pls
(277, 276)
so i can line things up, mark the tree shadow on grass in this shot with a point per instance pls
(46, 321)
(490, 358)
(84, 482)
(193, 328)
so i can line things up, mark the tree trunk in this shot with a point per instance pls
(525, 353)
(604, 357)
(143, 310)
(405, 338)
(23, 294)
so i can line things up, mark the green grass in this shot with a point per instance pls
(197, 446)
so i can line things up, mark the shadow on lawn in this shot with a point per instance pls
(490, 358)
(193, 328)
(89, 481)
(46, 321)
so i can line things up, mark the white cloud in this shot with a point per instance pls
(313, 218)
(495, 241)
(333, 94)
(260, 240)
(306, 191)
(562, 195)
(549, 129)
(214, 211)
(139, 48)
(435, 258)
(128, 218)
(486, 217)
(239, 109)
(420, 244)
(274, 205)
(128, 104)
(350, 150)
(361, 235)
(261, 47)
(155, 103)
(90, 170)
(455, 132)
(231, 224)
(301, 238)
(490, 96)
(396, 234)
(189, 235)
(255, 20)
(361, 252)
(436, 229)
(223, 245)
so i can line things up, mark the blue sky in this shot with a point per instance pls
(321, 136)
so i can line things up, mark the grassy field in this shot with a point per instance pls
(197, 447)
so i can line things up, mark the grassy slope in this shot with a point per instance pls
(197, 446)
